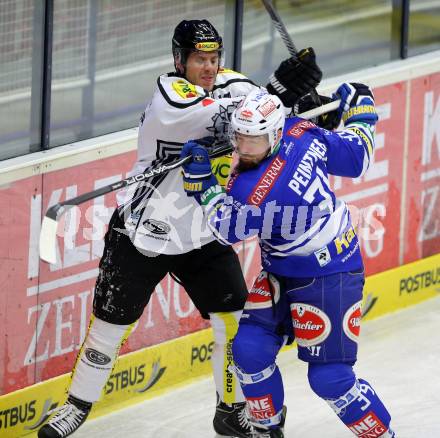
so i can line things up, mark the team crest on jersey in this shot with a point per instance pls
(260, 296)
(184, 89)
(352, 321)
(311, 325)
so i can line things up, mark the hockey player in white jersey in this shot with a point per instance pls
(157, 229)
(310, 288)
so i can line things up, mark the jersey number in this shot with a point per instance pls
(317, 186)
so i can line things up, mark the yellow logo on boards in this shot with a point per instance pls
(184, 89)
(207, 47)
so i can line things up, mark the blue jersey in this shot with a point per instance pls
(304, 230)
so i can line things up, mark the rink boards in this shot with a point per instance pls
(151, 371)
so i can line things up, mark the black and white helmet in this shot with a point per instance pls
(259, 113)
(193, 35)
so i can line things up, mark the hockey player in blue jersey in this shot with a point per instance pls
(310, 288)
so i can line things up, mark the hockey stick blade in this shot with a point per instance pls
(48, 237)
(48, 232)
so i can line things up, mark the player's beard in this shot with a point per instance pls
(244, 165)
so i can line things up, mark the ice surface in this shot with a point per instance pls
(399, 355)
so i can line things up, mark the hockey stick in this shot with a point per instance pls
(279, 25)
(48, 233)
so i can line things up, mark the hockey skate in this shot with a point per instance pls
(232, 420)
(67, 419)
(278, 432)
(268, 433)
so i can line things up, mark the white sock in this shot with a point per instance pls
(225, 325)
(96, 358)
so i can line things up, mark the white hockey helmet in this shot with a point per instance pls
(258, 114)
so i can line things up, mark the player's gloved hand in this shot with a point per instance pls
(295, 77)
(197, 174)
(328, 121)
(357, 104)
(207, 142)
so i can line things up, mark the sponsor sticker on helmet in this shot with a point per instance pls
(267, 108)
(184, 89)
(311, 325)
(352, 321)
(207, 46)
(247, 114)
(260, 296)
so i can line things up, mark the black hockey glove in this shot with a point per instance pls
(328, 121)
(295, 77)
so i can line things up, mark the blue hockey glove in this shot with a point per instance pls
(357, 104)
(197, 173)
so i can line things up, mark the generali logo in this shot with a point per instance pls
(266, 182)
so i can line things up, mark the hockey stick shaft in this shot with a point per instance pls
(57, 209)
(48, 233)
(279, 25)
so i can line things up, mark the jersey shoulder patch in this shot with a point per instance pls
(184, 89)
(178, 92)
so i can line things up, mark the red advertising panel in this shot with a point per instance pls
(422, 200)
(45, 309)
(374, 199)
(18, 271)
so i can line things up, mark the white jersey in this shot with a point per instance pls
(159, 217)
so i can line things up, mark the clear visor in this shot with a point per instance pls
(182, 54)
(249, 145)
